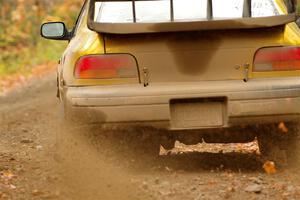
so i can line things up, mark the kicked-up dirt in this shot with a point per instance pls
(41, 158)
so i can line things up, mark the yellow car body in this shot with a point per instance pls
(88, 42)
(187, 80)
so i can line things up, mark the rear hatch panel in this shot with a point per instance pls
(194, 56)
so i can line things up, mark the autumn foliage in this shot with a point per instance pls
(20, 19)
(21, 46)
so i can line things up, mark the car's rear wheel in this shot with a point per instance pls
(280, 144)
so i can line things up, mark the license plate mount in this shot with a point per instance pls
(197, 113)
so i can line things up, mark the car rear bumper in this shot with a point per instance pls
(257, 101)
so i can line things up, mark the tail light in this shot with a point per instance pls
(277, 59)
(106, 66)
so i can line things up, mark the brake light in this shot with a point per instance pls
(277, 59)
(106, 66)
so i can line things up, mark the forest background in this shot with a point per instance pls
(21, 47)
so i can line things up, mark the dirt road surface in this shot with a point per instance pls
(41, 160)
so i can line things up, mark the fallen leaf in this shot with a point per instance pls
(36, 192)
(211, 182)
(39, 147)
(282, 127)
(231, 189)
(270, 167)
(168, 169)
(13, 187)
(2, 195)
(8, 175)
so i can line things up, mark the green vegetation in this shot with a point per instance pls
(21, 60)
(21, 47)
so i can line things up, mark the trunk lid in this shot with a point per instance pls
(194, 56)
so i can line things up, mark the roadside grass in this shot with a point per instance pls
(18, 63)
(22, 59)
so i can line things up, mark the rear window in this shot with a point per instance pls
(184, 10)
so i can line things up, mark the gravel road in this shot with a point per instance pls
(42, 159)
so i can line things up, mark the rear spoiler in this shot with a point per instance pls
(247, 22)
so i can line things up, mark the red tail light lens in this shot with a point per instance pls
(277, 59)
(106, 66)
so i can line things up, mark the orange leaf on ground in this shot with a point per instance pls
(270, 167)
(2, 195)
(283, 128)
(7, 175)
(36, 192)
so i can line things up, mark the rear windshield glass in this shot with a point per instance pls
(184, 10)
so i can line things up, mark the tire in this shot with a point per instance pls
(281, 147)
